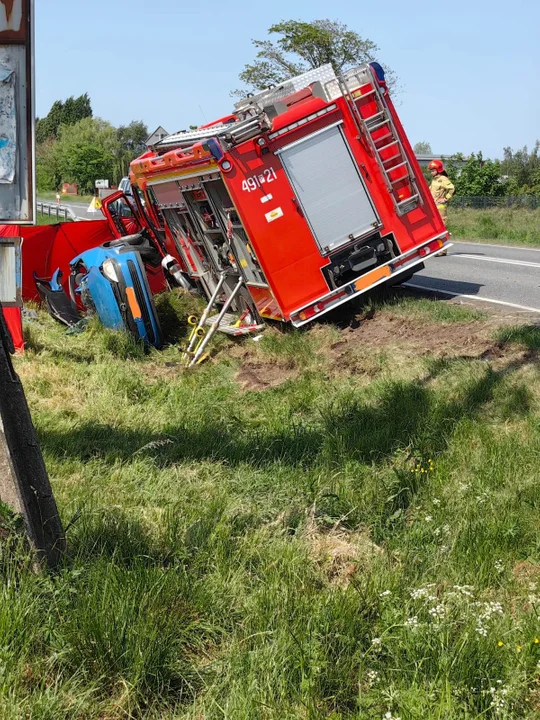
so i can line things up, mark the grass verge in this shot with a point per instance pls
(512, 226)
(64, 199)
(340, 522)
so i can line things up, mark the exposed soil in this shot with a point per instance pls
(258, 375)
(467, 339)
(364, 336)
(526, 572)
(340, 554)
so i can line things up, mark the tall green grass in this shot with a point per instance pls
(511, 226)
(337, 546)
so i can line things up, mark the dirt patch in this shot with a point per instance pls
(166, 371)
(471, 340)
(526, 572)
(340, 554)
(255, 375)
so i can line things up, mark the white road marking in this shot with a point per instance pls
(473, 297)
(524, 263)
(494, 245)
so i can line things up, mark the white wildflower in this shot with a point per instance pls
(376, 642)
(423, 592)
(498, 696)
(436, 501)
(499, 567)
(428, 518)
(372, 676)
(386, 593)
(412, 623)
(438, 612)
(465, 590)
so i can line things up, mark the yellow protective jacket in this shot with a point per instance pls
(442, 189)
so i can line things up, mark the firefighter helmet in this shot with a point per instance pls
(436, 165)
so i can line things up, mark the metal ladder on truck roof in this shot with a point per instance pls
(381, 134)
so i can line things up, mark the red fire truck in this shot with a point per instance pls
(308, 195)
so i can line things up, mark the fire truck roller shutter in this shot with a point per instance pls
(329, 188)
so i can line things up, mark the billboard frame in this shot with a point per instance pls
(24, 186)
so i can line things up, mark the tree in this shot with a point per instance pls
(520, 168)
(423, 148)
(476, 177)
(132, 143)
(63, 113)
(302, 46)
(48, 175)
(87, 151)
(48, 126)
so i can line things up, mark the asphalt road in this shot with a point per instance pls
(496, 274)
(81, 211)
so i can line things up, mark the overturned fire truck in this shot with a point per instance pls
(308, 195)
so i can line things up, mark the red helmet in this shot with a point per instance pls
(436, 165)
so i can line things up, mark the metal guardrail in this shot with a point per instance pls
(51, 209)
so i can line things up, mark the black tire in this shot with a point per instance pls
(405, 277)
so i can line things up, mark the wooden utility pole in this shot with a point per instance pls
(24, 483)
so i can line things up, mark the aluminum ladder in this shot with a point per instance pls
(376, 126)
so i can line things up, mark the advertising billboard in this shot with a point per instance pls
(17, 145)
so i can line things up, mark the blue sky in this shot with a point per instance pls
(469, 71)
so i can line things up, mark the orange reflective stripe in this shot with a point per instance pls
(133, 304)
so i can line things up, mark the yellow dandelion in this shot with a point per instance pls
(518, 648)
(500, 643)
(536, 641)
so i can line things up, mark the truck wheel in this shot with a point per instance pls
(244, 302)
(405, 277)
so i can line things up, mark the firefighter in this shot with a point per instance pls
(442, 190)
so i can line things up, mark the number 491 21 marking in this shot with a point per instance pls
(256, 181)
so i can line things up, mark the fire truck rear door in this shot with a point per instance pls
(329, 188)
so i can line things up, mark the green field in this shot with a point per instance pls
(504, 226)
(64, 199)
(340, 522)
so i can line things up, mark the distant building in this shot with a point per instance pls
(424, 159)
(158, 134)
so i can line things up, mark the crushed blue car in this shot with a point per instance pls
(111, 281)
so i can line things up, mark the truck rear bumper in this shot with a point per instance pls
(397, 266)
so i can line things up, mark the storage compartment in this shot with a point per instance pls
(329, 188)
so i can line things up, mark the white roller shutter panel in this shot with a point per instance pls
(329, 188)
